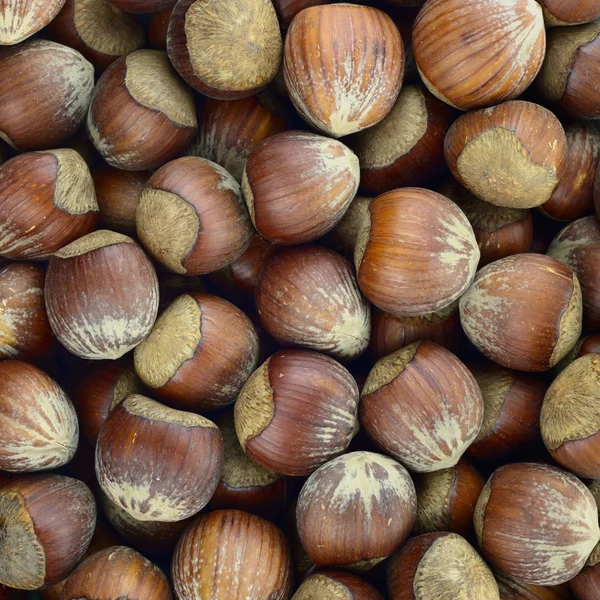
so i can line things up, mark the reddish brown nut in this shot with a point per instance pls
(47, 523)
(407, 147)
(564, 12)
(45, 91)
(509, 155)
(232, 555)
(280, 180)
(451, 42)
(101, 32)
(20, 20)
(343, 66)
(586, 585)
(47, 200)
(158, 24)
(25, 332)
(511, 411)
(523, 289)
(422, 406)
(536, 523)
(356, 510)
(101, 295)
(141, 6)
(336, 584)
(117, 572)
(142, 115)
(225, 49)
(38, 424)
(192, 218)
(511, 589)
(404, 277)
(199, 354)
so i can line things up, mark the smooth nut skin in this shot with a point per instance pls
(31, 16)
(338, 78)
(452, 40)
(345, 506)
(158, 24)
(416, 252)
(523, 312)
(512, 516)
(564, 12)
(232, 555)
(511, 589)
(336, 585)
(279, 184)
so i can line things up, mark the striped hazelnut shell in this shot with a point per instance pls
(20, 20)
(511, 589)
(559, 13)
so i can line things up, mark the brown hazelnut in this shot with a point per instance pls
(452, 41)
(141, 6)
(280, 180)
(142, 115)
(47, 523)
(47, 200)
(158, 463)
(192, 218)
(422, 406)
(158, 25)
(356, 510)
(586, 584)
(232, 555)
(225, 49)
(45, 91)
(101, 295)
(331, 585)
(38, 424)
(523, 312)
(343, 66)
(510, 589)
(559, 12)
(344, 235)
(536, 523)
(20, 20)
(415, 253)
(199, 354)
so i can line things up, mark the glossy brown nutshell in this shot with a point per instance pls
(232, 555)
(452, 41)
(336, 585)
(117, 572)
(25, 331)
(192, 218)
(299, 394)
(22, 18)
(45, 91)
(422, 406)
(288, 9)
(523, 312)
(38, 424)
(356, 510)
(157, 463)
(322, 307)
(101, 295)
(586, 584)
(509, 155)
(225, 49)
(565, 12)
(510, 589)
(101, 32)
(158, 25)
(511, 411)
(47, 523)
(140, 6)
(47, 200)
(416, 252)
(199, 354)
(343, 66)
(512, 516)
(280, 180)
(142, 115)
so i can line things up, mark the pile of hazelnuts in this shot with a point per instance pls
(299, 300)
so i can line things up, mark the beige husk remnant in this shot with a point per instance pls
(144, 407)
(570, 325)
(322, 587)
(388, 368)
(93, 241)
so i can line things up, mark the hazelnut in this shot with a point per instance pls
(25, 332)
(199, 354)
(343, 66)
(192, 218)
(331, 585)
(47, 524)
(141, 6)
(558, 12)
(356, 510)
(299, 394)
(422, 406)
(280, 180)
(415, 253)
(142, 115)
(523, 312)
(586, 583)
(536, 523)
(45, 91)
(38, 424)
(157, 463)
(225, 49)
(452, 41)
(18, 22)
(511, 589)
(158, 24)
(343, 236)
(509, 155)
(101, 295)
(232, 555)
(47, 200)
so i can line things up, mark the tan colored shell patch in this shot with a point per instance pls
(93, 241)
